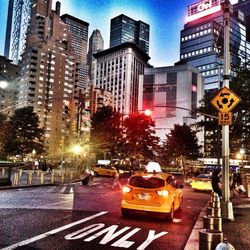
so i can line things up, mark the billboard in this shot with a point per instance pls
(203, 8)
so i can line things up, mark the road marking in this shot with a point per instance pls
(71, 190)
(63, 189)
(52, 232)
(110, 233)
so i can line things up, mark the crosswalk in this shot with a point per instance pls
(77, 187)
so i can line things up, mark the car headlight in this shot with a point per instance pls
(162, 192)
(126, 189)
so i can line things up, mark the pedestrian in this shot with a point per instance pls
(216, 182)
(116, 179)
(234, 186)
(241, 188)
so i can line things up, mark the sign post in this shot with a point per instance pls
(225, 101)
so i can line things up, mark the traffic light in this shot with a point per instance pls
(62, 142)
(147, 112)
(66, 109)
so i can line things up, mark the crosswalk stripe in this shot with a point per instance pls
(71, 190)
(63, 189)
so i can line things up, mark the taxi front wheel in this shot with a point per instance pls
(170, 215)
(125, 212)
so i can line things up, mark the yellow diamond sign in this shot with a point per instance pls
(225, 100)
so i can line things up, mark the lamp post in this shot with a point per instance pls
(33, 158)
(242, 153)
(76, 149)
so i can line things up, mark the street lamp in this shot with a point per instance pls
(3, 84)
(242, 153)
(76, 149)
(33, 158)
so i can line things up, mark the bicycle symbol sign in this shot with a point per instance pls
(225, 100)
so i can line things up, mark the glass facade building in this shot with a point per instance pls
(202, 42)
(18, 19)
(124, 29)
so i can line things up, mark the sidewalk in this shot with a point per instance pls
(32, 178)
(237, 232)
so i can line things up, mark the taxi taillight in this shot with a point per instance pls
(126, 189)
(162, 192)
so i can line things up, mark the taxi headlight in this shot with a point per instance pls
(126, 189)
(162, 192)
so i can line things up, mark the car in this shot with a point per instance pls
(106, 170)
(202, 182)
(154, 193)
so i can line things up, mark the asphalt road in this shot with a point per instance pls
(75, 217)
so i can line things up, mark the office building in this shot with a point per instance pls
(49, 74)
(202, 41)
(244, 7)
(96, 44)
(16, 30)
(117, 70)
(79, 41)
(124, 29)
(171, 93)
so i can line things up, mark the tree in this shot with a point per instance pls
(23, 133)
(240, 129)
(106, 132)
(181, 143)
(140, 140)
(3, 120)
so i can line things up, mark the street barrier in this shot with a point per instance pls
(29, 179)
(212, 223)
(20, 173)
(42, 177)
(16, 179)
(52, 177)
(211, 235)
(209, 239)
(3, 171)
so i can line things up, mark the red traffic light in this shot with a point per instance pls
(147, 112)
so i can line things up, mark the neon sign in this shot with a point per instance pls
(203, 8)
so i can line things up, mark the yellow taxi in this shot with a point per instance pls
(202, 182)
(104, 170)
(152, 192)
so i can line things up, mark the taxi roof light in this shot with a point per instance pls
(126, 189)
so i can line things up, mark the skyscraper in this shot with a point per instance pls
(96, 44)
(125, 29)
(202, 40)
(16, 30)
(244, 6)
(49, 75)
(117, 70)
(79, 42)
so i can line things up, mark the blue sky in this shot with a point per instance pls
(166, 19)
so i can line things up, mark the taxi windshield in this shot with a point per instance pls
(146, 182)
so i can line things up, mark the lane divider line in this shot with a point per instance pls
(52, 232)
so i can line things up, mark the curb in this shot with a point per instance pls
(193, 240)
(28, 186)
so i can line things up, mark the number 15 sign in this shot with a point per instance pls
(225, 118)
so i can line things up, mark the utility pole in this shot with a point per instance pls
(227, 207)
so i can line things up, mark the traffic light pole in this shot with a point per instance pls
(227, 208)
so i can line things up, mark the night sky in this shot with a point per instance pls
(166, 19)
